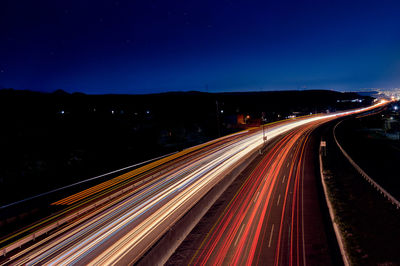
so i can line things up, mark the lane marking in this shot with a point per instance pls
(270, 236)
(287, 165)
(258, 193)
(283, 181)
(240, 232)
(279, 198)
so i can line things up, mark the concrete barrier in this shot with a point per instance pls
(338, 234)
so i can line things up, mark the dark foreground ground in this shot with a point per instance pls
(369, 223)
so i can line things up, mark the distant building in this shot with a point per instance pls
(240, 119)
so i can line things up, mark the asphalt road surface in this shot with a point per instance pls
(273, 218)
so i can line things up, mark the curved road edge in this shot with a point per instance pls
(338, 234)
(380, 189)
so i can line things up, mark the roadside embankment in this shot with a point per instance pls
(366, 219)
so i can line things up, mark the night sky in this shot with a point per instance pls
(154, 46)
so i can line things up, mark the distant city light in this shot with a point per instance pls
(112, 111)
(222, 111)
(62, 112)
(147, 112)
(395, 107)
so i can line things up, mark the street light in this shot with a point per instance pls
(263, 131)
(263, 120)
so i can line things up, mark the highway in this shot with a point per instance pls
(264, 222)
(117, 221)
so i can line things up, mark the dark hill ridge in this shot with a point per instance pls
(169, 102)
(52, 139)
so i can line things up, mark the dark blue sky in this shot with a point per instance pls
(152, 46)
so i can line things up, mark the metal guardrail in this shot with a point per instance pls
(380, 189)
(84, 181)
